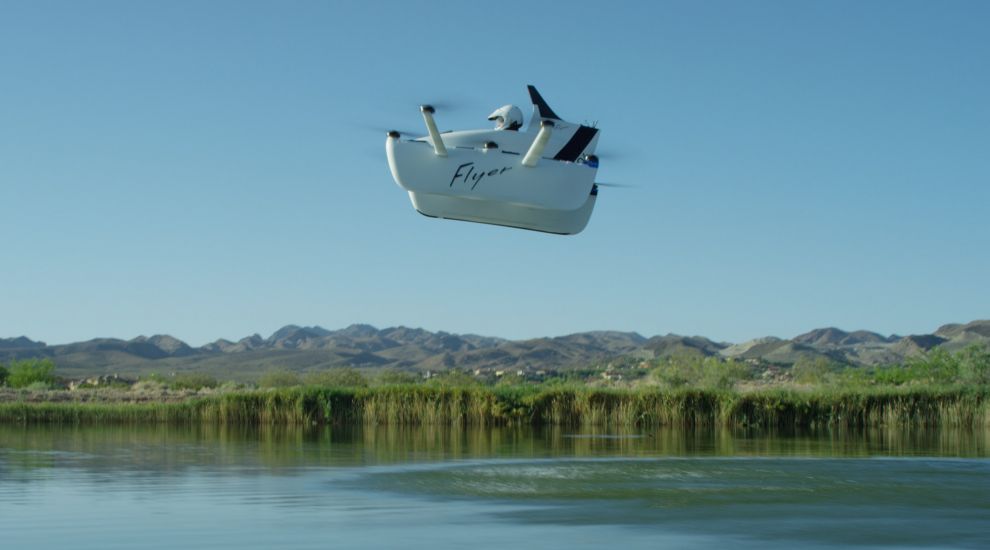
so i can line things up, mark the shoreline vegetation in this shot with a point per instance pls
(939, 389)
(571, 406)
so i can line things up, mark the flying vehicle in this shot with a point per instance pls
(541, 178)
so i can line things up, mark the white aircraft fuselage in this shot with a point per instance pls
(540, 179)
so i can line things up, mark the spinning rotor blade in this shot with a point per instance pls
(443, 105)
(609, 155)
(607, 184)
(404, 133)
(385, 130)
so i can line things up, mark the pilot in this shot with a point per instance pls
(507, 117)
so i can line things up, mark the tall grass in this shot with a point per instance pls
(566, 406)
(862, 408)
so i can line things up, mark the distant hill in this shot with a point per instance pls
(833, 337)
(917, 344)
(960, 336)
(302, 348)
(751, 348)
(673, 345)
(19, 343)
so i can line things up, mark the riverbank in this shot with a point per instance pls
(416, 404)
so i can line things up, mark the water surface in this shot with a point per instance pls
(163, 487)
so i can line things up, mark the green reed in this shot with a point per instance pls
(861, 408)
(506, 406)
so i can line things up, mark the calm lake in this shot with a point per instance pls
(208, 487)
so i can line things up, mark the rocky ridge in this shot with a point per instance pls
(364, 346)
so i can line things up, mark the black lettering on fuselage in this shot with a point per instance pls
(472, 177)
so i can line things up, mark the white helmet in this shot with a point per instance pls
(507, 117)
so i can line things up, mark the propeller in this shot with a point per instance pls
(609, 184)
(411, 113)
(433, 106)
(386, 130)
(404, 133)
(444, 105)
(610, 155)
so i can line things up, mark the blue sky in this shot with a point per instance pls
(215, 169)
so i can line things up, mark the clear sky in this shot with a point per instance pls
(215, 169)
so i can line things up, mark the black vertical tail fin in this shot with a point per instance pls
(541, 105)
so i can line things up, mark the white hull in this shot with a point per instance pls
(561, 222)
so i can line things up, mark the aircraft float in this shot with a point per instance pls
(541, 178)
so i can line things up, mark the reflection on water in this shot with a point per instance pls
(208, 486)
(167, 448)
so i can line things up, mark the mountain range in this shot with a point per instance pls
(363, 346)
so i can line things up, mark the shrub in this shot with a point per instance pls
(279, 378)
(970, 366)
(893, 375)
(230, 386)
(936, 366)
(811, 371)
(149, 385)
(707, 372)
(454, 378)
(339, 377)
(28, 371)
(396, 377)
(511, 379)
(722, 375)
(4, 373)
(192, 381)
(974, 364)
(674, 374)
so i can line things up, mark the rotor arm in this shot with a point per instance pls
(539, 144)
(431, 127)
